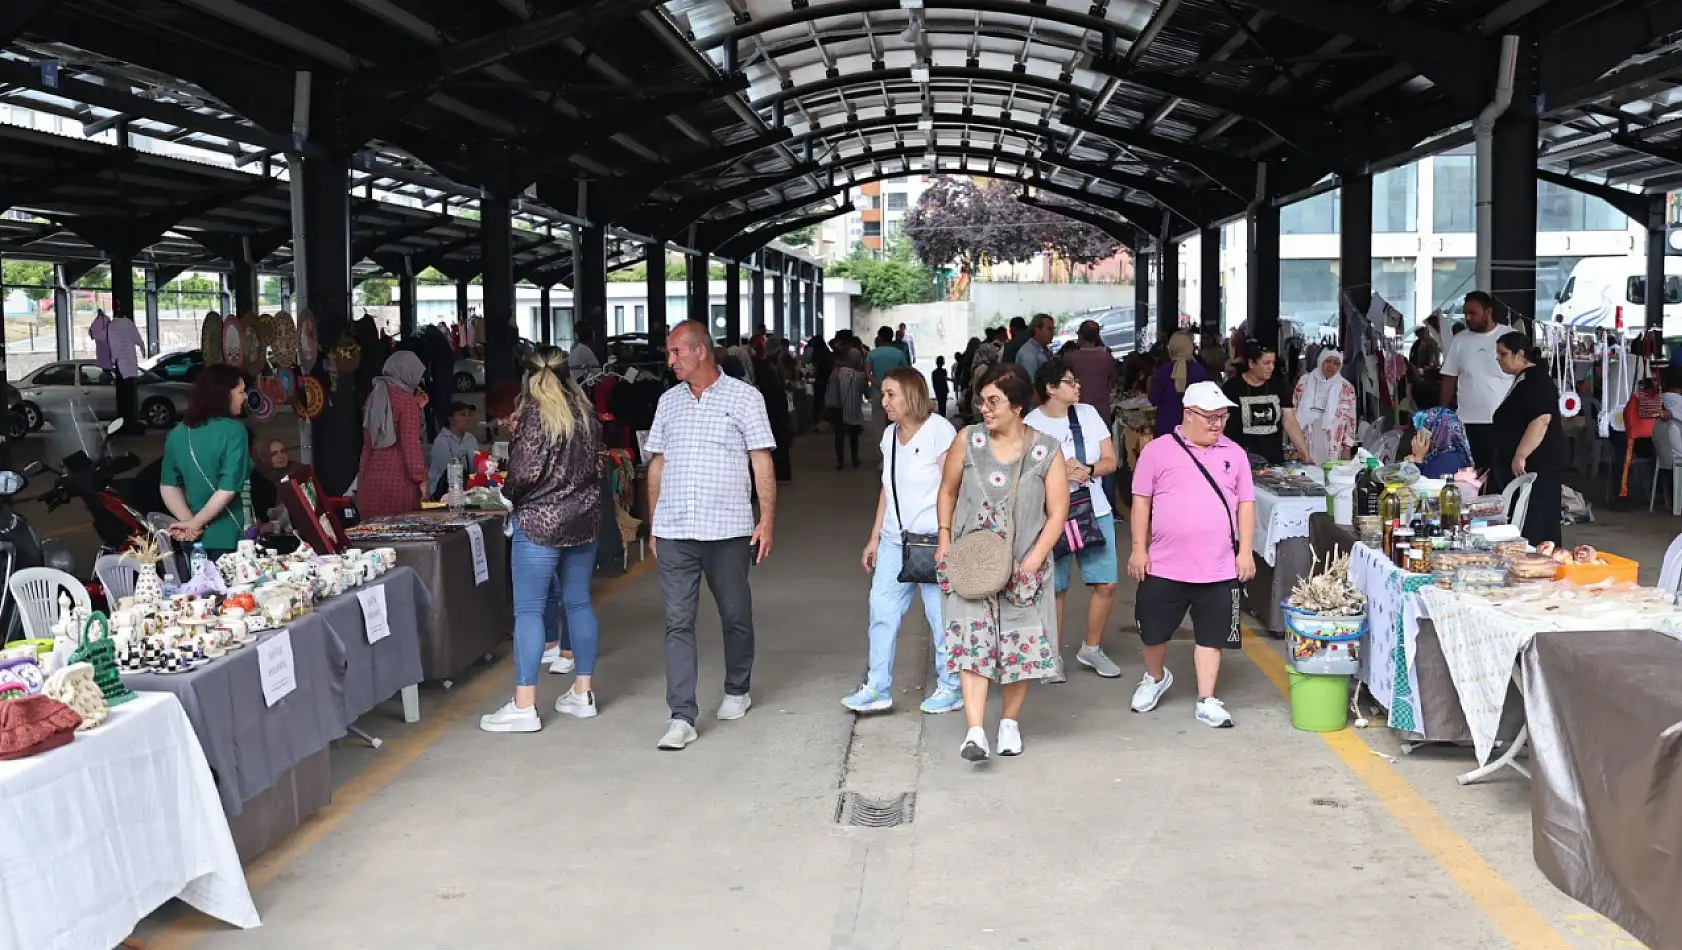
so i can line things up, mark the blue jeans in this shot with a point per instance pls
(889, 600)
(548, 581)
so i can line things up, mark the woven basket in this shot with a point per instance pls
(102, 656)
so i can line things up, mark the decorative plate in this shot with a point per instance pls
(210, 338)
(309, 343)
(257, 405)
(288, 380)
(255, 351)
(312, 397)
(233, 341)
(271, 387)
(285, 343)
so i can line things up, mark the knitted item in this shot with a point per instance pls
(35, 724)
(103, 657)
(74, 687)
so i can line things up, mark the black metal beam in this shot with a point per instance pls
(127, 237)
(941, 120)
(525, 269)
(1109, 30)
(1463, 63)
(16, 16)
(1665, 153)
(434, 256)
(722, 230)
(77, 169)
(368, 245)
(635, 186)
(745, 244)
(1573, 57)
(1632, 204)
(671, 219)
(629, 117)
(1122, 231)
(1182, 201)
(876, 77)
(41, 233)
(1304, 125)
(1235, 174)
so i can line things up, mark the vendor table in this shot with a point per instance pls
(1281, 553)
(1605, 714)
(103, 831)
(250, 745)
(468, 618)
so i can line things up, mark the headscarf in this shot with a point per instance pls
(1180, 350)
(1320, 396)
(260, 459)
(1446, 433)
(403, 370)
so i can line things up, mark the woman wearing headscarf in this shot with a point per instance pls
(1439, 447)
(392, 478)
(822, 363)
(1325, 405)
(1168, 387)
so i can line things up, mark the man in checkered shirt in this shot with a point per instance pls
(709, 433)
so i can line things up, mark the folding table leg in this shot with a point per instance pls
(1507, 759)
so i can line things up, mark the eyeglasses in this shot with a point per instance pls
(1213, 418)
(1070, 381)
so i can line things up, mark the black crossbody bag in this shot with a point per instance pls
(1081, 516)
(917, 566)
(1235, 638)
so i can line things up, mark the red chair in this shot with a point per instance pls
(315, 516)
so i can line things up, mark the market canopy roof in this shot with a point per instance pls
(721, 123)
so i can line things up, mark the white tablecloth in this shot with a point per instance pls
(1280, 518)
(99, 833)
(1394, 609)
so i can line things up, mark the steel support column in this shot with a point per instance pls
(1141, 289)
(775, 263)
(698, 292)
(152, 309)
(789, 317)
(1209, 319)
(545, 316)
(756, 293)
(657, 326)
(335, 435)
(1264, 273)
(408, 294)
(1355, 247)
(589, 282)
(122, 289)
(1513, 237)
(245, 279)
(61, 311)
(809, 318)
(1654, 305)
(732, 301)
(286, 294)
(225, 295)
(818, 303)
(496, 257)
(461, 299)
(1168, 289)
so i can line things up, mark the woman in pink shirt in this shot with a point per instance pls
(1193, 523)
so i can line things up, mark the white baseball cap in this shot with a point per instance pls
(1207, 397)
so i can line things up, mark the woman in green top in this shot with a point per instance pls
(207, 464)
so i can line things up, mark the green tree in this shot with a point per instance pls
(197, 292)
(97, 279)
(375, 292)
(34, 278)
(895, 279)
(634, 274)
(801, 237)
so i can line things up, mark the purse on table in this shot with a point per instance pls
(918, 564)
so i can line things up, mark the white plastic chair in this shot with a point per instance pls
(36, 591)
(1515, 501)
(117, 575)
(1666, 461)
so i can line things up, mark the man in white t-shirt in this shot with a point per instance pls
(1471, 373)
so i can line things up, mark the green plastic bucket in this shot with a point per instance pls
(1319, 702)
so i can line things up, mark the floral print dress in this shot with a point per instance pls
(1007, 638)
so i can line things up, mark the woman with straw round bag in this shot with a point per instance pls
(1004, 495)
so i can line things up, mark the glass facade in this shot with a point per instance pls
(1455, 194)
(1561, 209)
(1395, 201)
(1316, 215)
(1452, 278)
(1393, 279)
(1307, 285)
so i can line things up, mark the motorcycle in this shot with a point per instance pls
(20, 547)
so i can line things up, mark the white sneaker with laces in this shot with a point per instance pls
(511, 718)
(678, 734)
(974, 748)
(574, 703)
(561, 664)
(1150, 692)
(1010, 737)
(1212, 712)
(734, 707)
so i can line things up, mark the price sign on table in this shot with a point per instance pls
(274, 664)
(374, 621)
(481, 565)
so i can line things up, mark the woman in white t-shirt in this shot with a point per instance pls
(1059, 392)
(914, 449)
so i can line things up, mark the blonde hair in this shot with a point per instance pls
(914, 391)
(548, 386)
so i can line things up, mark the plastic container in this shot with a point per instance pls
(1616, 569)
(1319, 702)
(1323, 645)
(1340, 495)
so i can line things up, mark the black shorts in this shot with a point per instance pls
(1161, 604)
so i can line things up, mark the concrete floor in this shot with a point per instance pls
(1112, 830)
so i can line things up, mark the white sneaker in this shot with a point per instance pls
(678, 734)
(1010, 737)
(1212, 712)
(511, 718)
(560, 664)
(974, 748)
(1150, 692)
(574, 703)
(734, 707)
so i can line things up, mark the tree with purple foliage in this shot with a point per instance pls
(959, 221)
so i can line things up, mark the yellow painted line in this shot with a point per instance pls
(1522, 924)
(393, 757)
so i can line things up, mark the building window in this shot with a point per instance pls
(873, 229)
(1564, 209)
(896, 201)
(1392, 279)
(619, 319)
(896, 227)
(1307, 287)
(1454, 206)
(1395, 201)
(641, 317)
(1452, 278)
(872, 203)
(1316, 215)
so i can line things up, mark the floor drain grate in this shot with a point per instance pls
(858, 811)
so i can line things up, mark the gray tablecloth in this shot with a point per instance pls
(1606, 773)
(249, 745)
(1273, 582)
(467, 620)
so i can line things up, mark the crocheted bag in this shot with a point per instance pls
(102, 656)
(980, 564)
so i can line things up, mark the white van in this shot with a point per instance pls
(1599, 286)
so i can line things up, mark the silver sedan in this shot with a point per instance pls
(53, 389)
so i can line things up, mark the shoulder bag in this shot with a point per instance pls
(1080, 530)
(980, 563)
(1235, 638)
(918, 564)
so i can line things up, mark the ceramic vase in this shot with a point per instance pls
(148, 586)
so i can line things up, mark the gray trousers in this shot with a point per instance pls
(725, 565)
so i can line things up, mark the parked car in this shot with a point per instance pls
(54, 386)
(470, 375)
(176, 365)
(1115, 328)
(642, 351)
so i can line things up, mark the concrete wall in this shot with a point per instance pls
(936, 329)
(993, 304)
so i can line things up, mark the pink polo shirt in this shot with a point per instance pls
(1191, 538)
